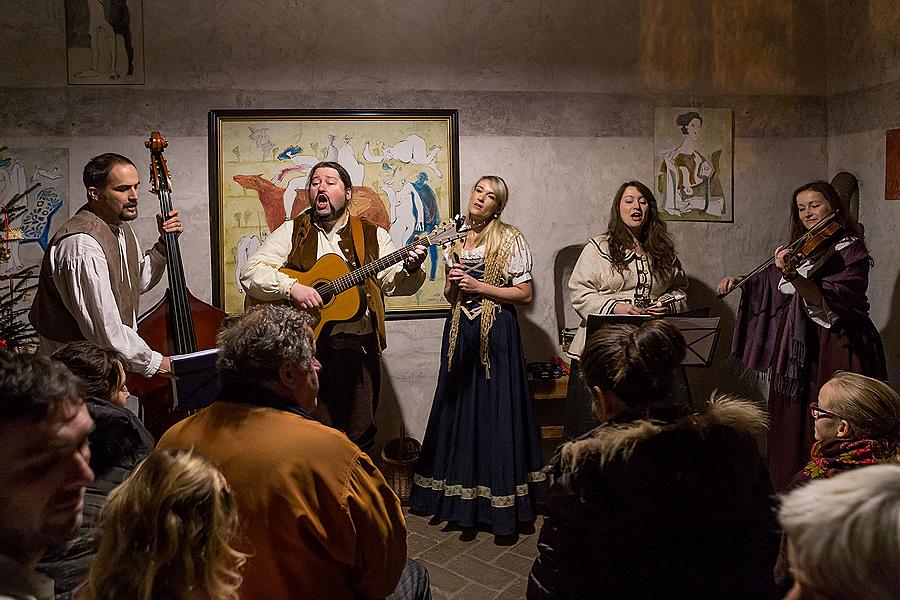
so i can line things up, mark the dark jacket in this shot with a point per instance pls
(661, 510)
(118, 443)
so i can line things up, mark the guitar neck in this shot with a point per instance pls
(357, 276)
(183, 335)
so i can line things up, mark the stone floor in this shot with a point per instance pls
(471, 565)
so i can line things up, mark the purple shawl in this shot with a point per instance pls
(843, 278)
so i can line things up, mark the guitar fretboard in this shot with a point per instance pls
(354, 278)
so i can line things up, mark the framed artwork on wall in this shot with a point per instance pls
(105, 42)
(892, 164)
(404, 165)
(693, 164)
(34, 203)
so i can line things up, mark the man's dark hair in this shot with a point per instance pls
(96, 172)
(32, 386)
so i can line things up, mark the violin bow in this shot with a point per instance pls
(826, 220)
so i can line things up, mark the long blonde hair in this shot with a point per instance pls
(166, 533)
(497, 238)
(494, 234)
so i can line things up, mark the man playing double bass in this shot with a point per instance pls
(93, 272)
(350, 353)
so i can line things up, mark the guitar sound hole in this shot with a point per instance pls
(326, 297)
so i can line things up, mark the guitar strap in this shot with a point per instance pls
(356, 232)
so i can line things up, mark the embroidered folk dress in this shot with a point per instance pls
(481, 457)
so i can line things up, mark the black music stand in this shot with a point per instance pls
(700, 333)
(196, 382)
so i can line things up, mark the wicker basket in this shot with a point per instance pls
(398, 461)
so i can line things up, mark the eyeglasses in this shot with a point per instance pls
(818, 412)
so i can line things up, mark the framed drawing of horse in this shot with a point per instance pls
(404, 165)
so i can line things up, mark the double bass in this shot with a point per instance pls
(179, 323)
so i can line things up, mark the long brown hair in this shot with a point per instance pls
(835, 202)
(634, 362)
(654, 236)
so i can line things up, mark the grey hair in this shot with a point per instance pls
(253, 346)
(845, 533)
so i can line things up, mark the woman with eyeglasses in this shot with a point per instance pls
(802, 319)
(857, 422)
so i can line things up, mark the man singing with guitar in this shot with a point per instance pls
(350, 350)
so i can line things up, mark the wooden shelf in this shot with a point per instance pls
(549, 389)
(549, 405)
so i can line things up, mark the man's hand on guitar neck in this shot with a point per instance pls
(305, 297)
(414, 260)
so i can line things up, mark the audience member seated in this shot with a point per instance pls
(655, 503)
(44, 468)
(318, 519)
(857, 422)
(118, 443)
(844, 535)
(166, 533)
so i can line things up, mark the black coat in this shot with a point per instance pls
(649, 510)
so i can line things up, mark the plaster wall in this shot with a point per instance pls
(863, 155)
(557, 98)
(864, 102)
(863, 45)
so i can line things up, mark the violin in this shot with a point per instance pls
(819, 242)
(820, 239)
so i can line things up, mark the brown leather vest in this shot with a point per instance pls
(49, 314)
(304, 252)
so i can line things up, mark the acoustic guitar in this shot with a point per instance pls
(341, 289)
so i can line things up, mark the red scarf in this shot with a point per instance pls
(834, 456)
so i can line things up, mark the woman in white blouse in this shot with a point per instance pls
(481, 458)
(632, 269)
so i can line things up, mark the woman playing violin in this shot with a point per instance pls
(804, 318)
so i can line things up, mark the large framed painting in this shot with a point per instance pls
(693, 166)
(404, 165)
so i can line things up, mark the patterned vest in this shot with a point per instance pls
(304, 253)
(49, 315)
